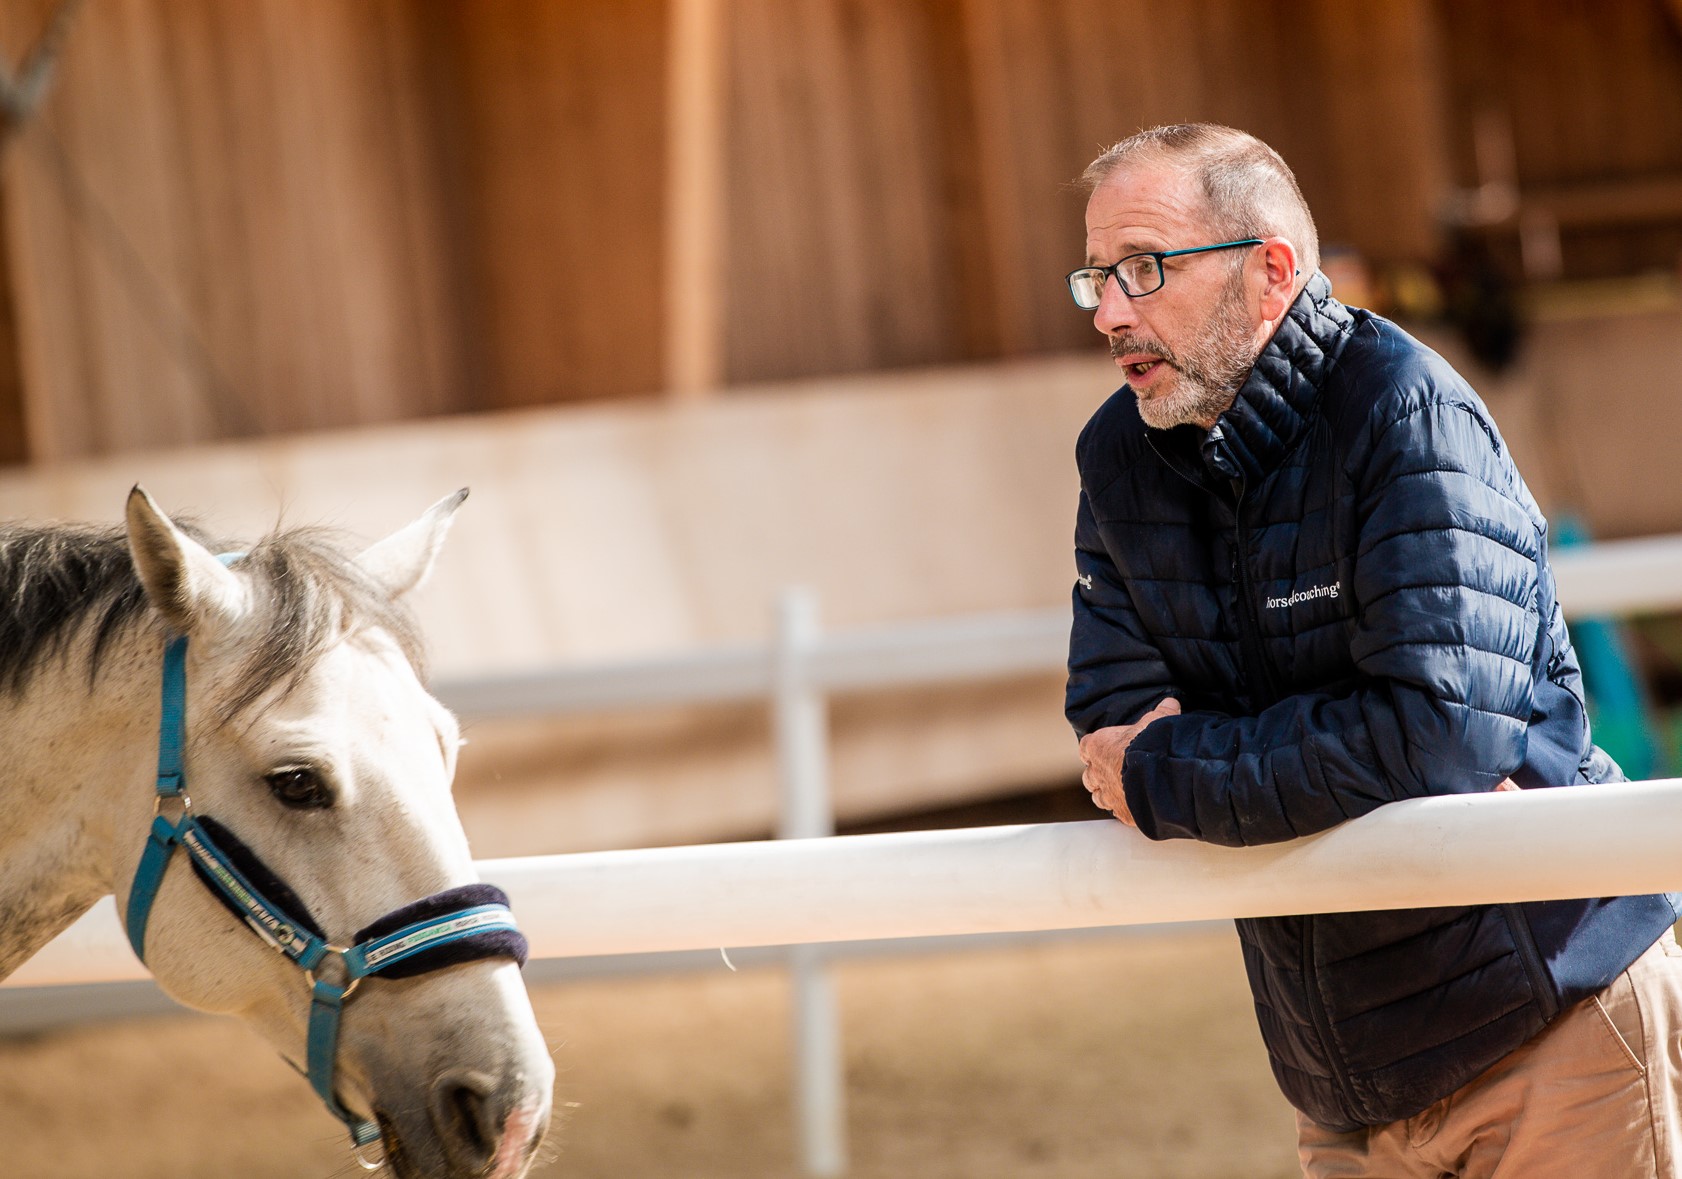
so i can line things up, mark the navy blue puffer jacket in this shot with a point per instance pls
(1346, 585)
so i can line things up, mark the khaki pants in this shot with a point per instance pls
(1594, 1096)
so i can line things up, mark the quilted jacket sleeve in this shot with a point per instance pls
(1446, 584)
(1115, 673)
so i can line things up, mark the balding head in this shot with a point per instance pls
(1247, 188)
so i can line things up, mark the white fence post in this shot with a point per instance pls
(801, 722)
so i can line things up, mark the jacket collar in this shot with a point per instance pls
(1278, 398)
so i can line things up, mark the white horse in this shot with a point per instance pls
(322, 767)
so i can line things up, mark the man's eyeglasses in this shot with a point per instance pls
(1138, 274)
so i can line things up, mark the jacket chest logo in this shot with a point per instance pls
(1307, 595)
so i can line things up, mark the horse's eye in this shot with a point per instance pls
(300, 788)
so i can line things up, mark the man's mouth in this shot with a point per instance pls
(1139, 365)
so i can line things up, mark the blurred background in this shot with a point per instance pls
(710, 298)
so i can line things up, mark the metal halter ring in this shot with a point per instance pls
(354, 980)
(369, 1164)
(183, 798)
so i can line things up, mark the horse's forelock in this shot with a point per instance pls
(313, 595)
(56, 579)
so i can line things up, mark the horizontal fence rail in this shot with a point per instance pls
(981, 646)
(1617, 578)
(1582, 841)
(1613, 578)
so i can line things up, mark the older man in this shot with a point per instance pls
(1311, 581)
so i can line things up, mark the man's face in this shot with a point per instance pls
(1186, 348)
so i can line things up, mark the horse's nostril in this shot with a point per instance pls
(468, 1118)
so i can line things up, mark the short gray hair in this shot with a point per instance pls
(1249, 189)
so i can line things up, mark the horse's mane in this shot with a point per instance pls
(58, 580)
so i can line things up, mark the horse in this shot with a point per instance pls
(236, 741)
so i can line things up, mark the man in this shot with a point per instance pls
(1310, 582)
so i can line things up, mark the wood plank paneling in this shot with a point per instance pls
(1358, 99)
(1380, 193)
(1019, 68)
(693, 265)
(291, 214)
(223, 225)
(294, 214)
(1593, 94)
(559, 168)
(1042, 89)
(840, 198)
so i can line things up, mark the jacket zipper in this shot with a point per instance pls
(1532, 959)
(1249, 636)
(1250, 643)
(1323, 1024)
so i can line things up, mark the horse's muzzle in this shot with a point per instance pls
(471, 1126)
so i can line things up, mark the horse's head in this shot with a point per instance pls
(316, 757)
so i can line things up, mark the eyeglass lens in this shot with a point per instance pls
(1087, 286)
(1139, 274)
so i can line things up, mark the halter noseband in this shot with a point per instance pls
(462, 924)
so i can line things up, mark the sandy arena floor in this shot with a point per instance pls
(1114, 1058)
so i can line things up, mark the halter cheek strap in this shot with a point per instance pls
(464, 924)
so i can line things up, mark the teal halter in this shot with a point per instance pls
(463, 924)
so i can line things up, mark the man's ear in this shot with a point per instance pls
(183, 580)
(1279, 278)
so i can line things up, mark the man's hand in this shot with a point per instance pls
(1102, 750)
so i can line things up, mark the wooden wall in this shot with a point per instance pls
(247, 219)
(1611, 106)
(234, 219)
(551, 116)
(900, 174)
(1592, 93)
(843, 245)
(224, 223)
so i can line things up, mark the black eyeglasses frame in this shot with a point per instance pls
(1114, 269)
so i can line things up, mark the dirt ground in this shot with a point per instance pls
(1132, 1056)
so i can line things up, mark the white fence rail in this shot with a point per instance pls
(981, 646)
(1447, 850)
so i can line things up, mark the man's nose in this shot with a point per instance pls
(1115, 308)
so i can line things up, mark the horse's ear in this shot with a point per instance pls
(402, 560)
(183, 580)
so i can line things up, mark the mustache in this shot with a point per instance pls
(1123, 345)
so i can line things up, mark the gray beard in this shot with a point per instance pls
(1193, 402)
(1208, 375)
